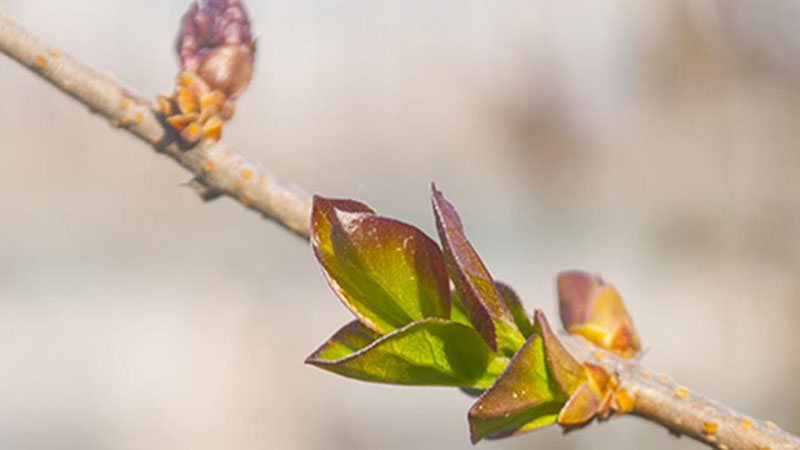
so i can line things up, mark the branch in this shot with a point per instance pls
(661, 400)
(218, 170)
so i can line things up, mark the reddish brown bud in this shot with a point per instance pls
(216, 43)
(592, 308)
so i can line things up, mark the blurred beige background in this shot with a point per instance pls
(655, 143)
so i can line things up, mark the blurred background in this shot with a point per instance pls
(655, 143)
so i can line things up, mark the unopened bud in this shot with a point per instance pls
(216, 43)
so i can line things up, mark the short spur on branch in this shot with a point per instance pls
(217, 52)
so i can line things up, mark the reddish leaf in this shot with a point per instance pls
(522, 399)
(482, 301)
(593, 309)
(386, 272)
(569, 374)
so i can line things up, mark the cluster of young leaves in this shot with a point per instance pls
(435, 317)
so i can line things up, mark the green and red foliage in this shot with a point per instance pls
(436, 317)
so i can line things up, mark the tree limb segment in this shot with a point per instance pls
(660, 399)
(218, 170)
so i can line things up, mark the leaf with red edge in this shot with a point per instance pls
(482, 301)
(593, 309)
(515, 306)
(568, 373)
(427, 352)
(524, 398)
(388, 273)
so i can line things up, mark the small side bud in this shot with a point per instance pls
(215, 42)
(594, 309)
(217, 51)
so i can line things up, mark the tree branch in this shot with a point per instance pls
(659, 399)
(218, 170)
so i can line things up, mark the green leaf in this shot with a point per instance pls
(524, 398)
(481, 300)
(514, 304)
(568, 373)
(427, 352)
(350, 339)
(388, 273)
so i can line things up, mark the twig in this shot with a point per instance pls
(218, 170)
(659, 399)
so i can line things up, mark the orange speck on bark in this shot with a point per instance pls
(747, 424)
(245, 199)
(681, 392)
(138, 118)
(40, 61)
(710, 427)
(208, 166)
(663, 378)
(55, 51)
(600, 355)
